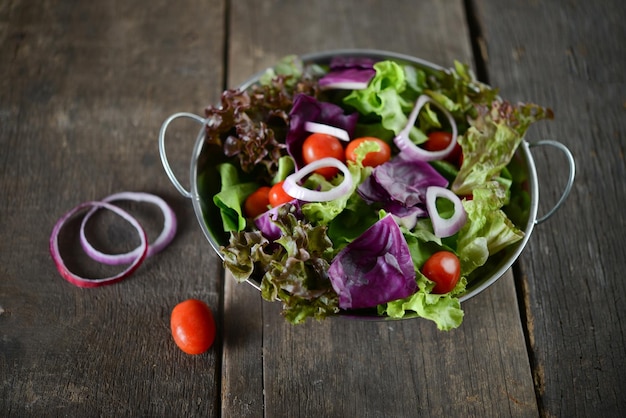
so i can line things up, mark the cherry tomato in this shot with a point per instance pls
(439, 140)
(257, 202)
(278, 195)
(193, 326)
(443, 268)
(372, 158)
(318, 146)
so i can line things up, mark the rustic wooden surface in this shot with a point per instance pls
(573, 267)
(84, 88)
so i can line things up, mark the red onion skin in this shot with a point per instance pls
(162, 241)
(82, 281)
(406, 146)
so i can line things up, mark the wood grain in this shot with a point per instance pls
(573, 265)
(84, 89)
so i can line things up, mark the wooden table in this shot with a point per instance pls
(84, 88)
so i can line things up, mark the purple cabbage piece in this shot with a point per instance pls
(309, 109)
(351, 79)
(345, 61)
(348, 72)
(265, 221)
(400, 185)
(375, 268)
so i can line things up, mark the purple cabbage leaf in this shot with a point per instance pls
(351, 73)
(373, 269)
(400, 186)
(309, 109)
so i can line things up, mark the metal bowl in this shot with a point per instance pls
(205, 181)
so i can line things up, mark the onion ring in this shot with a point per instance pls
(345, 85)
(407, 146)
(445, 227)
(293, 189)
(82, 281)
(321, 128)
(166, 236)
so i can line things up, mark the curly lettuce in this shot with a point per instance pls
(293, 268)
(491, 141)
(251, 125)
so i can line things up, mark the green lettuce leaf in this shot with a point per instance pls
(231, 197)
(458, 90)
(488, 229)
(286, 166)
(444, 310)
(390, 95)
(356, 217)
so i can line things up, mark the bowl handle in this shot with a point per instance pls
(570, 180)
(166, 164)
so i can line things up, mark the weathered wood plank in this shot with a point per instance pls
(84, 88)
(370, 369)
(83, 91)
(572, 59)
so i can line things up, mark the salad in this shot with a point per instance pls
(367, 187)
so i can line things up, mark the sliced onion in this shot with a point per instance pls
(293, 189)
(321, 128)
(85, 282)
(445, 227)
(345, 85)
(407, 146)
(166, 236)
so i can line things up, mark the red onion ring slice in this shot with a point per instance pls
(162, 241)
(407, 146)
(345, 85)
(85, 282)
(441, 226)
(293, 189)
(321, 128)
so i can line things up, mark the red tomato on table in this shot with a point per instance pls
(193, 326)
